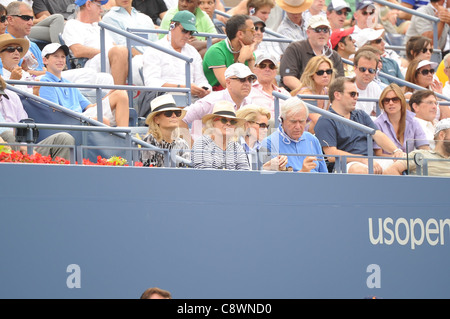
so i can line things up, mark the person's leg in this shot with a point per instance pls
(56, 139)
(118, 101)
(118, 60)
(48, 29)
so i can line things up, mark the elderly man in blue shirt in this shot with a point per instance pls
(291, 138)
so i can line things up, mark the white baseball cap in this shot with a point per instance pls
(239, 70)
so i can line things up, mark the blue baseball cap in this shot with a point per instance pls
(82, 2)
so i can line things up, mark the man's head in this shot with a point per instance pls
(337, 12)
(182, 26)
(260, 28)
(54, 57)
(156, 293)
(318, 31)
(20, 19)
(189, 5)
(90, 10)
(365, 14)
(266, 67)
(239, 79)
(343, 94)
(371, 37)
(442, 136)
(260, 8)
(342, 41)
(294, 9)
(293, 117)
(241, 27)
(12, 50)
(366, 65)
(424, 103)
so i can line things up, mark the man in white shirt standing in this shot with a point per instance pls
(164, 70)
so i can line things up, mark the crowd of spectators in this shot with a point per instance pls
(373, 65)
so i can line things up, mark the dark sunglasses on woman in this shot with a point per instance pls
(387, 100)
(426, 71)
(225, 120)
(322, 72)
(169, 113)
(424, 50)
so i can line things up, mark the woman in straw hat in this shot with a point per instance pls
(163, 131)
(218, 147)
(12, 51)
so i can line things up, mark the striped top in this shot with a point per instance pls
(207, 154)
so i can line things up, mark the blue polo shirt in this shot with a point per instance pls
(280, 143)
(67, 97)
(340, 135)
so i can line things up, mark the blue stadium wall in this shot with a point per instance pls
(112, 232)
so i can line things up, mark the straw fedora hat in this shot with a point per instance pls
(294, 6)
(223, 109)
(7, 39)
(163, 103)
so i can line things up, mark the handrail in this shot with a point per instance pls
(435, 20)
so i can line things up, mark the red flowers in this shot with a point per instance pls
(9, 156)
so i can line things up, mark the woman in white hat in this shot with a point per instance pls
(422, 73)
(219, 147)
(12, 51)
(163, 131)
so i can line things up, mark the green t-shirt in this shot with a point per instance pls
(218, 55)
(203, 22)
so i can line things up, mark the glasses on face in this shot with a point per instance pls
(353, 94)
(97, 3)
(252, 30)
(249, 79)
(262, 125)
(364, 69)
(387, 100)
(424, 50)
(225, 120)
(377, 41)
(426, 71)
(264, 65)
(171, 112)
(321, 30)
(365, 13)
(262, 29)
(341, 12)
(24, 17)
(322, 72)
(183, 30)
(12, 49)
(433, 103)
(3, 19)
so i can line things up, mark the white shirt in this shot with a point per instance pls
(87, 34)
(160, 67)
(446, 89)
(429, 129)
(372, 90)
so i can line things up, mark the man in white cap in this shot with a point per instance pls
(82, 36)
(297, 54)
(337, 12)
(266, 71)
(115, 104)
(239, 79)
(435, 162)
(293, 26)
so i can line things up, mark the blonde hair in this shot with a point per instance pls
(250, 112)
(307, 78)
(154, 129)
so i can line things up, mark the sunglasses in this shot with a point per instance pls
(264, 65)
(323, 30)
(364, 69)
(171, 112)
(387, 100)
(340, 12)
(353, 94)
(377, 41)
(183, 30)
(426, 71)
(424, 50)
(262, 29)
(322, 72)
(24, 17)
(12, 49)
(249, 79)
(3, 19)
(262, 125)
(225, 120)
(365, 13)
